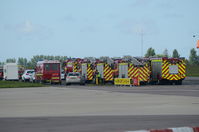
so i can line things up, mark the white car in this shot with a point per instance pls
(28, 75)
(62, 75)
(74, 78)
(32, 77)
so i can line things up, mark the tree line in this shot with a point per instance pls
(193, 57)
(24, 62)
(30, 64)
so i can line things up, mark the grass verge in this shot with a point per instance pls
(192, 70)
(17, 84)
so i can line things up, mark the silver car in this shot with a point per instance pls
(74, 78)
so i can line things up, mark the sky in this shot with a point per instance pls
(83, 28)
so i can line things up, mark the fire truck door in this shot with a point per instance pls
(84, 70)
(123, 70)
(100, 68)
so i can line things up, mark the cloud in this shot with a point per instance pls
(139, 3)
(173, 15)
(148, 27)
(89, 29)
(166, 4)
(28, 30)
(69, 18)
(27, 27)
(162, 4)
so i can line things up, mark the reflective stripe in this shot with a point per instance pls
(39, 74)
(55, 77)
(99, 64)
(89, 73)
(108, 73)
(156, 60)
(123, 63)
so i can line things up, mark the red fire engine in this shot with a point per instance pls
(72, 65)
(1, 73)
(48, 71)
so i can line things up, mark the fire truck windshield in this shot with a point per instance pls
(55, 67)
(47, 67)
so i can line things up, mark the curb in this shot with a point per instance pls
(178, 129)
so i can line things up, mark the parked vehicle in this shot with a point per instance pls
(28, 75)
(87, 71)
(32, 77)
(1, 73)
(10, 71)
(105, 71)
(48, 71)
(75, 78)
(168, 70)
(62, 75)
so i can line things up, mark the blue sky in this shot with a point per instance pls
(81, 28)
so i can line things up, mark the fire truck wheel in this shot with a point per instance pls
(82, 83)
(40, 81)
(179, 82)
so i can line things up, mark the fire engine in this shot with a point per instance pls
(87, 70)
(168, 70)
(134, 69)
(72, 65)
(105, 69)
(1, 73)
(48, 71)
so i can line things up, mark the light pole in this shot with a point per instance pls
(142, 37)
(197, 43)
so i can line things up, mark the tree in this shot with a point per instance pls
(2, 63)
(175, 54)
(22, 62)
(165, 53)
(150, 52)
(11, 60)
(193, 58)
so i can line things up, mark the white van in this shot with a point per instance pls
(10, 71)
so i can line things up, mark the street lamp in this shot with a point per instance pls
(197, 43)
(142, 37)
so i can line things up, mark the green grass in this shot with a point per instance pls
(192, 70)
(17, 84)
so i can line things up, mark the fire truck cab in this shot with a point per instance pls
(48, 71)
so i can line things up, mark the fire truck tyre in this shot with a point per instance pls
(179, 82)
(40, 81)
(82, 83)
